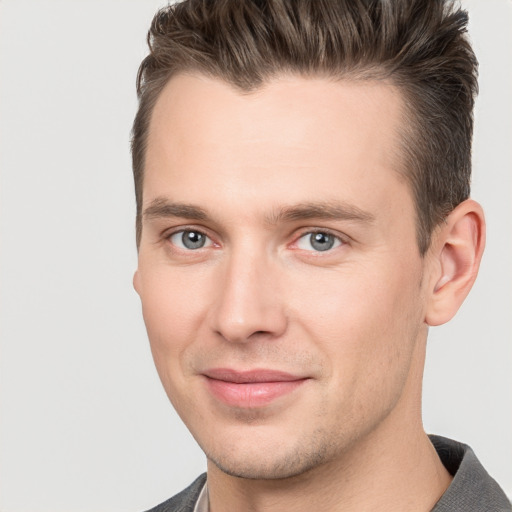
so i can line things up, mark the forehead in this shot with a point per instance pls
(294, 137)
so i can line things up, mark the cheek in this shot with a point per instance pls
(365, 320)
(172, 307)
(373, 331)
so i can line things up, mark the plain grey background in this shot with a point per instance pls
(84, 422)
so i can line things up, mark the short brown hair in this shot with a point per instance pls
(420, 46)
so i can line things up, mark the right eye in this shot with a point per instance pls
(190, 239)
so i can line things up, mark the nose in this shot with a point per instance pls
(249, 304)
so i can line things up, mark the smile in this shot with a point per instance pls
(250, 389)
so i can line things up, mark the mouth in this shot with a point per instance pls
(250, 389)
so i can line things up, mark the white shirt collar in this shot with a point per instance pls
(202, 503)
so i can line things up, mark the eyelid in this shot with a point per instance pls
(166, 233)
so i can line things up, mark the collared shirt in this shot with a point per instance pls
(472, 488)
(202, 503)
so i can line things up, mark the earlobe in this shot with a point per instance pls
(458, 249)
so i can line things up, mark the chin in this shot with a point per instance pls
(268, 470)
(265, 463)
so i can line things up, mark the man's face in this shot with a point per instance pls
(281, 283)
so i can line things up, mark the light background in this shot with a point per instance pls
(84, 423)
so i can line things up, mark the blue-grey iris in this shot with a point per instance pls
(321, 241)
(193, 239)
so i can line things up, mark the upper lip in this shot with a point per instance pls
(250, 376)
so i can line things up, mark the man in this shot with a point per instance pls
(303, 216)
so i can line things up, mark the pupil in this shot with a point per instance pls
(193, 240)
(322, 241)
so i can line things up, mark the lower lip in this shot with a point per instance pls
(251, 394)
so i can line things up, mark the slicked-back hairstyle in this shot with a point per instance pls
(419, 46)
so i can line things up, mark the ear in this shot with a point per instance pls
(456, 252)
(136, 281)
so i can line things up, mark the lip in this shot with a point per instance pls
(252, 388)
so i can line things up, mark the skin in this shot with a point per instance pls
(258, 173)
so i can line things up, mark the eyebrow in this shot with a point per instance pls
(162, 208)
(324, 211)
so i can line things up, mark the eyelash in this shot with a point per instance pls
(338, 240)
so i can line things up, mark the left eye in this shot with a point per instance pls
(190, 239)
(319, 241)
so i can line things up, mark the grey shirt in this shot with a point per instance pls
(471, 490)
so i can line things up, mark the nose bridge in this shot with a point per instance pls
(248, 302)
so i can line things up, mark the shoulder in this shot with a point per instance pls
(472, 488)
(185, 500)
